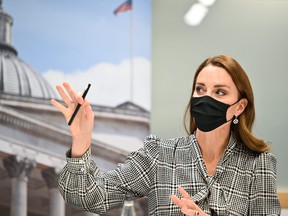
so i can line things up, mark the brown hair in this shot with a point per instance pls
(243, 130)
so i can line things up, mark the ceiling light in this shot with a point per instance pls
(195, 14)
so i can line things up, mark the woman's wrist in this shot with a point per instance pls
(79, 148)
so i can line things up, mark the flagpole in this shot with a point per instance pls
(131, 52)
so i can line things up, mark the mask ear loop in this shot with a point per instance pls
(235, 102)
(234, 118)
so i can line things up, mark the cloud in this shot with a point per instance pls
(110, 83)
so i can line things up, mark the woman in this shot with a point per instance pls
(220, 168)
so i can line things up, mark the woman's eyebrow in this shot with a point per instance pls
(221, 86)
(200, 83)
(215, 86)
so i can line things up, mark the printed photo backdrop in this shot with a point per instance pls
(105, 43)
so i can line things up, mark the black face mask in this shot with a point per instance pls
(208, 113)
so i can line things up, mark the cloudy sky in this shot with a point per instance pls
(84, 42)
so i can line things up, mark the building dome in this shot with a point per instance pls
(16, 76)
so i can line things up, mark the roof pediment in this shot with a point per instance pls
(131, 106)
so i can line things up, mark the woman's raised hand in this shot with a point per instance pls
(82, 125)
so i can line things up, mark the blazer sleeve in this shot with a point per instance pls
(83, 186)
(263, 197)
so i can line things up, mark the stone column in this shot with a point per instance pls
(18, 170)
(57, 204)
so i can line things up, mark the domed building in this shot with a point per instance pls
(34, 137)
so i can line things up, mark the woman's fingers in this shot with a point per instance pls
(64, 95)
(187, 199)
(88, 111)
(177, 201)
(187, 205)
(72, 94)
(183, 193)
(69, 98)
(58, 106)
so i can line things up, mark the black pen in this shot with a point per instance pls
(79, 105)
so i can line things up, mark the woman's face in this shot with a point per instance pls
(216, 82)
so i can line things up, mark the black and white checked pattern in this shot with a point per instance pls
(244, 182)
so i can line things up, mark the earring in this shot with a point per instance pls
(235, 120)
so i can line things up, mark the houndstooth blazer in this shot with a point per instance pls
(244, 182)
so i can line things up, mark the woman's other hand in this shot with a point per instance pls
(188, 207)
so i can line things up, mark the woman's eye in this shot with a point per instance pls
(220, 92)
(199, 89)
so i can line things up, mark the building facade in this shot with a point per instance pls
(34, 137)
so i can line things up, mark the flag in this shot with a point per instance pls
(127, 5)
